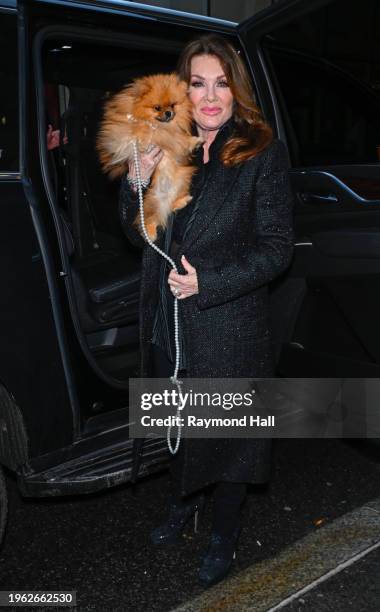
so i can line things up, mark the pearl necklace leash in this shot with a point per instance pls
(174, 379)
(149, 123)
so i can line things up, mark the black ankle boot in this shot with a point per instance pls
(218, 560)
(179, 514)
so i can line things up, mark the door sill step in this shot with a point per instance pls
(94, 471)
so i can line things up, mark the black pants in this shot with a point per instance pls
(228, 496)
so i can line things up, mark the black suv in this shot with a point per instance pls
(70, 279)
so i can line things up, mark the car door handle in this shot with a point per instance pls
(316, 198)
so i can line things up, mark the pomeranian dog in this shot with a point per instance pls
(152, 110)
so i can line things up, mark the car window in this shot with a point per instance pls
(326, 69)
(9, 131)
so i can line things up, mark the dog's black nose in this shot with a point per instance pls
(169, 115)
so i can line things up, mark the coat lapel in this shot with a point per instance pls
(219, 185)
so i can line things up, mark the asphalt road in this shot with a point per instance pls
(99, 545)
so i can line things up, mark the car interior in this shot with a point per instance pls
(104, 266)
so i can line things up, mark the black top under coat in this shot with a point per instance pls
(178, 226)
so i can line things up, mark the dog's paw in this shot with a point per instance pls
(195, 143)
(181, 202)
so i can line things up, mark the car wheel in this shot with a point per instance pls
(3, 505)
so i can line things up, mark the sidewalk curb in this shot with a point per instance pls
(275, 582)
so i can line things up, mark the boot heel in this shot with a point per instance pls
(196, 520)
(198, 514)
(179, 514)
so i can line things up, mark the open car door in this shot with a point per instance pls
(74, 56)
(317, 79)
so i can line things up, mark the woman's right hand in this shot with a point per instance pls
(148, 163)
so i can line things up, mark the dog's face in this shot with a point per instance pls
(160, 98)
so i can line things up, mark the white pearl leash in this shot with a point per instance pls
(173, 378)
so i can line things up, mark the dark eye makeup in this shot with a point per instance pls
(200, 83)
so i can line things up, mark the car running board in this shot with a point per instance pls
(95, 471)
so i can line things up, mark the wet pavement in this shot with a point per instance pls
(99, 545)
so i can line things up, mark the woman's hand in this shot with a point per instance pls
(148, 163)
(184, 285)
(52, 138)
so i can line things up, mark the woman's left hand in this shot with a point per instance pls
(184, 285)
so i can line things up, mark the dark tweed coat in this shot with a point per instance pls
(240, 239)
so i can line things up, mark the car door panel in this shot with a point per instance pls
(329, 326)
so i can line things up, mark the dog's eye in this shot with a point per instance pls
(157, 107)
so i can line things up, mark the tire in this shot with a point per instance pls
(3, 505)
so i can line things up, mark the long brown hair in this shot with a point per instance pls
(252, 134)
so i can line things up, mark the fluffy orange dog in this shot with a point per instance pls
(153, 110)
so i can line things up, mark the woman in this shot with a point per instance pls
(229, 242)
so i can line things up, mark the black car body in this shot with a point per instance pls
(70, 280)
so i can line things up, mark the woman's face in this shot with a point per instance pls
(209, 92)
